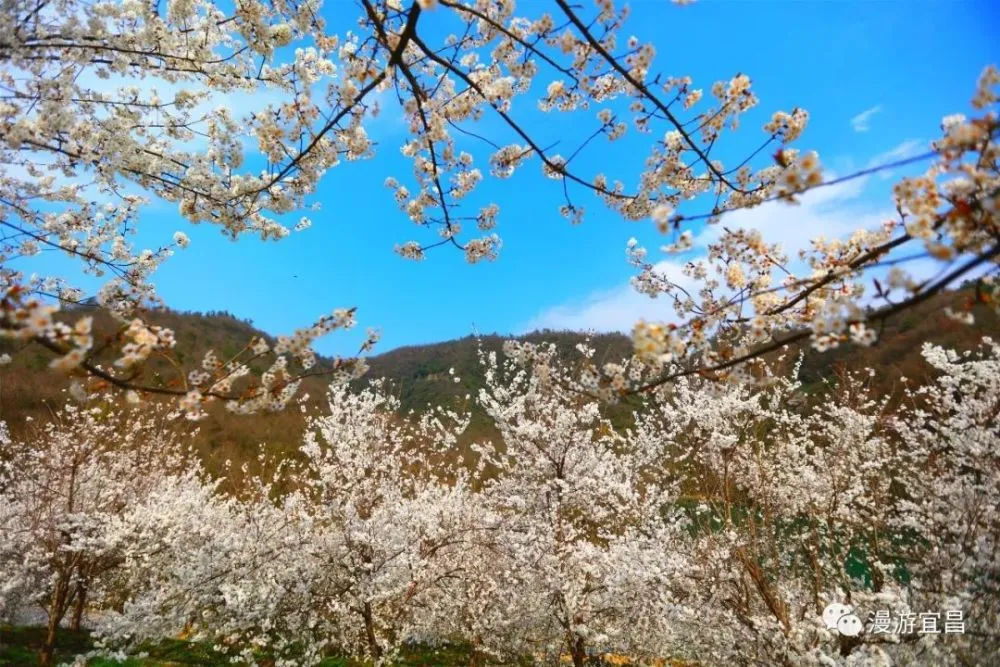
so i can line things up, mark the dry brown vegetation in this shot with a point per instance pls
(419, 375)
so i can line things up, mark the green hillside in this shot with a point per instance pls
(419, 375)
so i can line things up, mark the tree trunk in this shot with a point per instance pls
(57, 608)
(476, 657)
(80, 606)
(373, 647)
(578, 651)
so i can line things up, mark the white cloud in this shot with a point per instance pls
(616, 309)
(907, 149)
(831, 212)
(391, 122)
(862, 121)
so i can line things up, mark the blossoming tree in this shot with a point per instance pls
(385, 526)
(64, 494)
(350, 559)
(106, 104)
(592, 527)
(715, 525)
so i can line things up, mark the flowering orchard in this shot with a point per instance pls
(64, 501)
(105, 105)
(716, 528)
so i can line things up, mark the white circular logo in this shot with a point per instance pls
(833, 612)
(849, 625)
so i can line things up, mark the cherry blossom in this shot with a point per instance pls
(106, 106)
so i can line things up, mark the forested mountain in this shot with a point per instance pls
(420, 375)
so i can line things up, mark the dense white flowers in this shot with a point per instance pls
(111, 104)
(68, 494)
(714, 526)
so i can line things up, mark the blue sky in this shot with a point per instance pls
(906, 63)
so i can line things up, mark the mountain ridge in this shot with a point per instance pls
(420, 375)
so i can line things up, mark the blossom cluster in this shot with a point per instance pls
(757, 295)
(109, 105)
(714, 527)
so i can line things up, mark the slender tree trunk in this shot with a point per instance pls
(373, 647)
(57, 608)
(578, 651)
(476, 656)
(79, 607)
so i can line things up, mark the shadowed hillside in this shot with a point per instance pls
(897, 353)
(419, 375)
